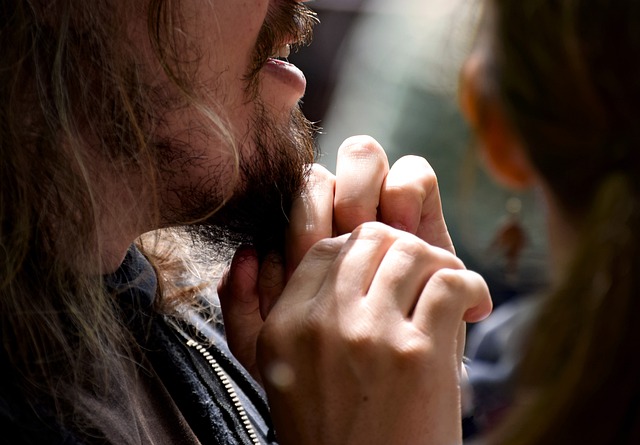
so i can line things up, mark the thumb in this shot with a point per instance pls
(240, 305)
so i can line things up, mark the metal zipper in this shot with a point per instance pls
(226, 382)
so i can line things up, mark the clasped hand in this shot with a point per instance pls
(358, 334)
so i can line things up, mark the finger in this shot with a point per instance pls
(410, 200)
(361, 168)
(240, 305)
(353, 272)
(403, 273)
(271, 281)
(449, 297)
(237, 289)
(309, 276)
(311, 217)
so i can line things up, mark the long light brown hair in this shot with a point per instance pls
(68, 81)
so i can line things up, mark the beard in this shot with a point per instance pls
(271, 174)
(275, 173)
(271, 177)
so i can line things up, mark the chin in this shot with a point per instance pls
(273, 170)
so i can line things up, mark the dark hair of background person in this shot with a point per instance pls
(566, 73)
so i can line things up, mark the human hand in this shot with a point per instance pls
(363, 189)
(369, 351)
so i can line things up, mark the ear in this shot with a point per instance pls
(500, 146)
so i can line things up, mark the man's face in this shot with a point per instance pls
(239, 184)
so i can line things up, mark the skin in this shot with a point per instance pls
(352, 331)
(360, 339)
(222, 71)
(331, 206)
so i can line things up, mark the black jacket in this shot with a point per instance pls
(217, 398)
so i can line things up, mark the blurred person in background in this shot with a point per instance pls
(551, 92)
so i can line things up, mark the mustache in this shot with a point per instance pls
(286, 22)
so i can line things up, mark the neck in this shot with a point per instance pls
(123, 215)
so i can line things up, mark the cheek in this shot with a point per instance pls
(196, 176)
(226, 34)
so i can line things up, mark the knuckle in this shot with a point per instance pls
(412, 354)
(364, 343)
(365, 339)
(412, 246)
(476, 281)
(360, 342)
(323, 327)
(455, 262)
(325, 249)
(450, 279)
(372, 230)
(363, 147)
(411, 349)
(447, 260)
(320, 173)
(417, 163)
(451, 287)
(353, 208)
(313, 327)
(418, 169)
(460, 290)
(464, 283)
(361, 335)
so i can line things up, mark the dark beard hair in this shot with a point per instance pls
(271, 177)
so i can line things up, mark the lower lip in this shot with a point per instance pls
(286, 73)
